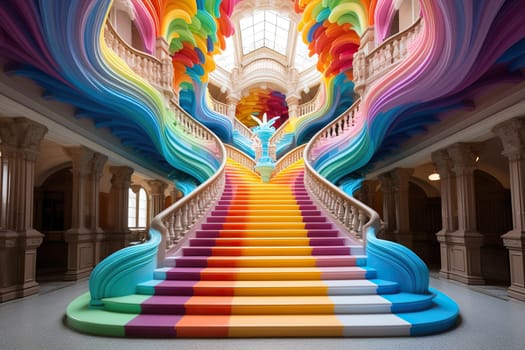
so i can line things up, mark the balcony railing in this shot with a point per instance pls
(158, 71)
(367, 68)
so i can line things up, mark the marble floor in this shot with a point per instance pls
(489, 321)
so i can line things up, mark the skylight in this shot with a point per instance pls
(302, 60)
(264, 29)
(225, 59)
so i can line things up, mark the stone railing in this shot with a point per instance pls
(338, 127)
(265, 65)
(288, 159)
(158, 71)
(240, 157)
(189, 125)
(119, 273)
(176, 220)
(396, 262)
(313, 105)
(367, 68)
(243, 129)
(219, 107)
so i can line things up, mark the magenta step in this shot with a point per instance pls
(238, 242)
(221, 219)
(291, 261)
(227, 206)
(238, 213)
(266, 201)
(264, 251)
(242, 233)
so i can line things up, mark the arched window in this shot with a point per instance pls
(137, 208)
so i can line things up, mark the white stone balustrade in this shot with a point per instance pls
(367, 68)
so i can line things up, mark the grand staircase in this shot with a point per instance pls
(266, 263)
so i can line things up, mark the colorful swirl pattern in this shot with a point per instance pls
(464, 47)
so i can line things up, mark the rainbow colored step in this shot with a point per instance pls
(266, 263)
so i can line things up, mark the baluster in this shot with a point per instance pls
(348, 214)
(355, 221)
(341, 211)
(179, 226)
(362, 220)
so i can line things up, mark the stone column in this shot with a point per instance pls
(232, 102)
(449, 217)
(84, 236)
(19, 146)
(293, 107)
(512, 135)
(97, 167)
(367, 193)
(464, 244)
(157, 196)
(119, 197)
(401, 177)
(389, 214)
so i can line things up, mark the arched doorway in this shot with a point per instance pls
(425, 221)
(494, 218)
(52, 217)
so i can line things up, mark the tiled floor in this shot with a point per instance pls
(488, 321)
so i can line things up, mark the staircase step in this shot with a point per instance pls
(270, 202)
(241, 219)
(274, 206)
(229, 233)
(264, 274)
(266, 261)
(272, 241)
(267, 212)
(268, 305)
(266, 225)
(265, 251)
(268, 288)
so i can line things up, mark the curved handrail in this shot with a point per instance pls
(240, 157)
(288, 159)
(175, 220)
(393, 261)
(120, 272)
(242, 129)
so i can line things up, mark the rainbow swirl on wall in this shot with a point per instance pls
(332, 30)
(463, 48)
(260, 101)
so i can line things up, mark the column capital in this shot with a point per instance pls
(512, 136)
(386, 182)
(463, 157)
(400, 177)
(443, 162)
(97, 165)
(81, 157)
(121, 175)
(21, 134)
(157, 186)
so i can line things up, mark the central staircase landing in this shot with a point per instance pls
(266, 263)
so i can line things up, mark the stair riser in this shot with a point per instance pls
(238, 219)
(265, 233)
(265, 225)
(322, 261)
(254, 242)
(265, 251)
(210, 275)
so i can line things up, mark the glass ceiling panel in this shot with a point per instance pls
(264, 28)
(302, 61)
(226, 58)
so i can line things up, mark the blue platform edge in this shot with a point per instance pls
(441, 317)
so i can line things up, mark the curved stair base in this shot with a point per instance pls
(266, 263)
